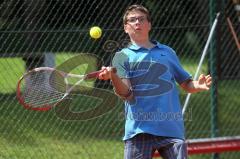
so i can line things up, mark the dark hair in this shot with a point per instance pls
(136, 7)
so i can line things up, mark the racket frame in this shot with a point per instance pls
(61, 73)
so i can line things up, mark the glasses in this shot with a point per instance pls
(141, 19)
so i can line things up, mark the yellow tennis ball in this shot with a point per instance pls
(95, 32)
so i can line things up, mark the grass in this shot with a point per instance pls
(11, 70)
(28, 134)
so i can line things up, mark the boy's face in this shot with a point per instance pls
(137, 25)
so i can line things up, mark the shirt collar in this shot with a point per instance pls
(136, 47)
(160, 46)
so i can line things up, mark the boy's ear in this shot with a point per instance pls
(150, 26)
(125, 28)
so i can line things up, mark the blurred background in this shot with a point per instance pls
(36, 33)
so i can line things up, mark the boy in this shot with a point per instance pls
(147, 73)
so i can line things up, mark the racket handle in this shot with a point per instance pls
(95, 74)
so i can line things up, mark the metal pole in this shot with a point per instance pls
(201, 61)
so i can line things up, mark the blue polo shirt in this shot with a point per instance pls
(153, 74)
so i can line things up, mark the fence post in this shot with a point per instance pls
(213, 70)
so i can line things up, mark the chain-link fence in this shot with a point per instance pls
(56, 33)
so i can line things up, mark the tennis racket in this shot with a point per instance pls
(43, 88)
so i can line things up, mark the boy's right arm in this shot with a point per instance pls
(122, 86)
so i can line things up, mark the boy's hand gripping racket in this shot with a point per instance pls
(43, 88)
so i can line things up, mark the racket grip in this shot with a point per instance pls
(95, 74)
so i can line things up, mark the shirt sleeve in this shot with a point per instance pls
(120, 62)
(179, 73)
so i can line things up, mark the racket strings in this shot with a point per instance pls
(41, 96)
(44, 88)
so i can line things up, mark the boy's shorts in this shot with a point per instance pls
(143, 146)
